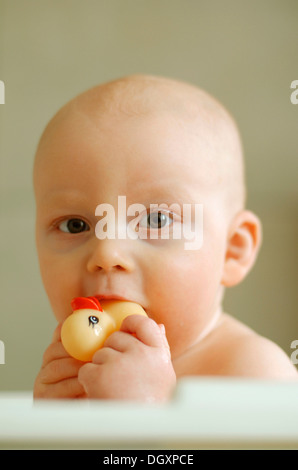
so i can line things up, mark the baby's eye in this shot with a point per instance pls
(73, 226)
(156, 220)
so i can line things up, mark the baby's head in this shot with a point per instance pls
(153, 141)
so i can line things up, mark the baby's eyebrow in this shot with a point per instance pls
(67, 197)
(157, 193)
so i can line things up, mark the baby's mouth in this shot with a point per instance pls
(116, 297)
(111, 297)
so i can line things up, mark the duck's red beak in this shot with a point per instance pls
(86, 302)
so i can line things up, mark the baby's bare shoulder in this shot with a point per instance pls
(245, 353)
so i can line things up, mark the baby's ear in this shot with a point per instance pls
(244, 241)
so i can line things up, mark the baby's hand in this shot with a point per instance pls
(58, 376)
(134, 364)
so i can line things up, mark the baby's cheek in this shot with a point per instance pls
(61, 289)
(174, 300)
(183, 296)
(181, 281)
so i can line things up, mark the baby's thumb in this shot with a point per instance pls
(164, 337)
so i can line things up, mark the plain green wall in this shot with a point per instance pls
(242, 51)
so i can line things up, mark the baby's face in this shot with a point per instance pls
(88, 160)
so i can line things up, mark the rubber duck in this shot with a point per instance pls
(92, 321)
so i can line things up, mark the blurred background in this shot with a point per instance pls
(242, 51)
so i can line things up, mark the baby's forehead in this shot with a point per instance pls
(146, 98)
(140, 96)
(180, 104)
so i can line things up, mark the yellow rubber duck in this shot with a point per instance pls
(92, 321)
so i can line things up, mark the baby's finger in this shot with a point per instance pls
(54, 352)
(57, 333)
(145, 329)
(69, 388)
(104, 355)
(120, 341)
(88, 379)
(163, 334)
(59, 370)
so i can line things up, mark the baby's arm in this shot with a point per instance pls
(134, 364)
(58, 376)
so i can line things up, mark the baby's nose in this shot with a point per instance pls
(109, 254)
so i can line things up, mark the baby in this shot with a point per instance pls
(157, 142)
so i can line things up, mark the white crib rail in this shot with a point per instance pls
(203, 414)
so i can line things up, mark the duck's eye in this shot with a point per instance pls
(73, 226)
(93, 320)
